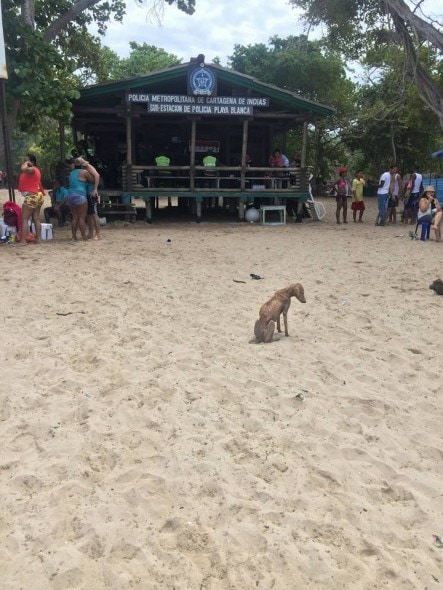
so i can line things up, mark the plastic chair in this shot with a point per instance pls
(316, 209)
(209, 162)
(163, 177)
(425, 230)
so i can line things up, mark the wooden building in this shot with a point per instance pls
(153, 132)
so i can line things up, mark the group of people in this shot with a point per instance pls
(278, 160)
(343, 189)
(420, 205)
(80, 198)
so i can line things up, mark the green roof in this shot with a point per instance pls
(173, 80)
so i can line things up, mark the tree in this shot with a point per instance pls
(46, 42)
(143, 58)
(392, 126)
(310, 69)
(356, 25)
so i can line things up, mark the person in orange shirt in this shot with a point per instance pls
(30, 185)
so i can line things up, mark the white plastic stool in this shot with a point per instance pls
(47, 233)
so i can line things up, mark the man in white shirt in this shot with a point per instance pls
(383, 192)
(411, 205)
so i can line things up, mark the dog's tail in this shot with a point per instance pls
(264, 332)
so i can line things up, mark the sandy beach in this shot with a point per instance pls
(147, 442)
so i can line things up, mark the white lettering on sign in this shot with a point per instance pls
(258, 102)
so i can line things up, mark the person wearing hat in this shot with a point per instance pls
(342, 190)
(429, 211)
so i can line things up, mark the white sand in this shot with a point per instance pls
(147, 443)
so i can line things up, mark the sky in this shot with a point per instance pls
(213, 29)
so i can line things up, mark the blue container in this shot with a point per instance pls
(125, 199)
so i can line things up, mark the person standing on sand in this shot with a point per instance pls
(30, 185)
(394, 192)
(383, 192)
(341, 194)
(357, 192)
(82, 174)
(92, 218)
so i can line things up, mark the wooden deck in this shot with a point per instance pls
(196, 189)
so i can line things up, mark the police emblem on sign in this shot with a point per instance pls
(201, 81)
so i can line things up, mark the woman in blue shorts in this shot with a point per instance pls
(82, 173)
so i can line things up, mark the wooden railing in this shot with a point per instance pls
(221, 179)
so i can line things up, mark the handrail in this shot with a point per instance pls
(196, 172)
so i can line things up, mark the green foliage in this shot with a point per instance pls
(392, 125)
(187, 6)
(43, 75)
(372, 31)
(298, 65)
(142, 59)
(50, 57)
(310, 69)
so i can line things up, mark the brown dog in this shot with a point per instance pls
(271, 311)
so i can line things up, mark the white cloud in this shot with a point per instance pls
(213, 29)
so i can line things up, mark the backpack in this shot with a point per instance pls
(10, 217)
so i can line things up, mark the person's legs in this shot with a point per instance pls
(26, 214)
(37, 224)
(382, 202)
(436, 225)
(345, 209)
(90, 226)
(96, 222)
(74, 221)
(65, 213)
(49, 212)
(82, 219)
(339, 205)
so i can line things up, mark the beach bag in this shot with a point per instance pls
(10, 217)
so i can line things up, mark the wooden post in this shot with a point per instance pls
(304, 172)
(128, 148)
(192, 154)
(304, 144)
(244, 149)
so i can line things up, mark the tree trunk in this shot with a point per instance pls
(423, 29)
(404, 20)
(64, 19)
(28, 12)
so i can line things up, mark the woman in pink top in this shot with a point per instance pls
(341, 194)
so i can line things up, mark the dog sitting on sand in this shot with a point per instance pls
(437, 286)
(271, 311)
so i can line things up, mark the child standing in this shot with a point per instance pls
(358, 203)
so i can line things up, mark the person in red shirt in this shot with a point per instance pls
(30, 185)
